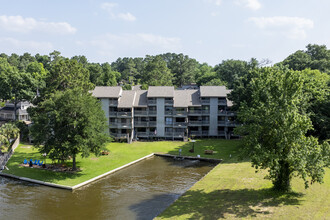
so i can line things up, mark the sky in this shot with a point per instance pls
(208, 30)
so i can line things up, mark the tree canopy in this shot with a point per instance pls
(275, 124)
(69, 123)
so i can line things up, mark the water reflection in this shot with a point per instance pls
(140, 191)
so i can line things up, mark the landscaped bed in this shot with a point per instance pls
(119, 155)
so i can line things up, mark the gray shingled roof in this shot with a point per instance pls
(141, 98)
(160, 91)
(214, 91)
(127, 99)
(107, 91)
(185, 98)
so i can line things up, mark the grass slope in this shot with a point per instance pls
(233, 190)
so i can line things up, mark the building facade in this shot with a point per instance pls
(161, 112)
(7, 113)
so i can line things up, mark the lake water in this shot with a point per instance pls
(141, 191)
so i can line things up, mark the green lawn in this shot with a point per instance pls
(120, 154)
(233, 190)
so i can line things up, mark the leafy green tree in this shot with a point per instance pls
(274, 128)
(67, 74)
(8, 131)
(156, 73)
(109, 77)
(206, 76)
(15, 85)
(230, 71)
(315, 57)
(69, 123)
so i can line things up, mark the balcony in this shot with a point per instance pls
(124, 125)
(205, 101)
(205, 133)
(222, 102)
(169, 124)
(195, 123)
(140, 124)
(168, 112)
(197, 133)
(152, 102)
(152, 123)
(168, 102)
(180, 124)
(113, 102)
(222, 112)
(142, 134)
(124, 114)
(205, 122)
(113, 124)
(206, 112)
(195, 112)
(222, 123)
(118, 135)
(178, 134)
(179, 113)
(152, 112)
(112, 114)
(221, 133)
(140, 113)
(231, 113)
(232, 123)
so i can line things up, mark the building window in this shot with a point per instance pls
(168, 121)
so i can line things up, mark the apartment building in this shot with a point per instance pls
(161, 112)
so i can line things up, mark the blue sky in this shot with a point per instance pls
(207, 30)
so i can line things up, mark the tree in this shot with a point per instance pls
(8, 131)
(69, 123)
(156, 73)
(230, 71)
(274, 128)
(67, 74)
(15, 85)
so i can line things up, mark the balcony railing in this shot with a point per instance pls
(205, 112)
(152, 102)
(124, 114)
(141, 123)
(205, 102)
(205, 122)
(222, 102)
(230, 113)
(124, 125)
(168, 112)
(142, 133)
(221, 133)
(174, 134)
(138, 112)
(111, 113)
(195, 133)
(168, 102)
(179, 113)
(118, 135)
(232, 123)
(152, 123)
(180, 124)
(191, 112)
(152, 112)
(113, 103)
(222, 123)
(205, 133)
(222, 112)
(195, 122)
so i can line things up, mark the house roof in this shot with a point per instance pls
(213, 91)
(185, 98)
(160, 91)
(127, 99)
(141, 98)
(107, 91)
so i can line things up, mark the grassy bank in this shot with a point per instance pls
(233, 190)
(120, 154)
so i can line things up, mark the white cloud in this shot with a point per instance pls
(26, 25)
(215, 2)
(291, 27)
(110, 8)
(21, 46)
(140, 44)
(251, 4)
(127, 16)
